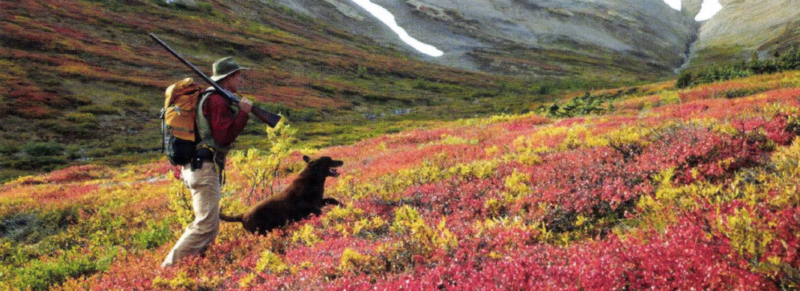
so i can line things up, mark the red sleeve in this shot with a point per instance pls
(224, 125)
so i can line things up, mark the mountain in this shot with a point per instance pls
(81, 81)
(743, 27)
(620, 39)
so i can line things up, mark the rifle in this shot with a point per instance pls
(267, 117)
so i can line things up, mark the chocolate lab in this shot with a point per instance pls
(302, 198)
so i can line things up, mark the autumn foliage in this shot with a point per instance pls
(695, 193)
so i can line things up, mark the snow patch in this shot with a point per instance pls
(388, 18)
(710, 8)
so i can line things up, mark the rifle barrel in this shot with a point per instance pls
(195, 69)
(269, 118)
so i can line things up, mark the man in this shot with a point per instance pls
(218, 125)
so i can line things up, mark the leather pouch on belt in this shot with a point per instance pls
(203, 154)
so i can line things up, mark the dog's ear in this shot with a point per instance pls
(307, 159)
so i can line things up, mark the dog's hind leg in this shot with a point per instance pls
(330, 201)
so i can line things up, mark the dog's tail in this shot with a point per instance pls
(235, 218)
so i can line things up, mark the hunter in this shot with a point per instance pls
(219, 122)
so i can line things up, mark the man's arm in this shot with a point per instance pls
(224, 126)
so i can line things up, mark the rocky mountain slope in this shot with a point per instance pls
(81, 81)
(746, 26)
(618, 38)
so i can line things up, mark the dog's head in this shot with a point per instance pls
(325, 166)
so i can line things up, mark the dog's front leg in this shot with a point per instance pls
(305, 209)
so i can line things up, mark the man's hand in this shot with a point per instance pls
(245, 105)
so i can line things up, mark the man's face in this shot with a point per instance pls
(233, 82)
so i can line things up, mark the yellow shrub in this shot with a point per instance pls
(245, 282)
(669, 97)
(576, 137)
(655, 209)
(355, 262)
(480, 169)
(494, 207)
(261, 168)
(370, 227)
(516, 186)
(271, 262)
(338, 214)
(446, 239)
(389, 187)
(306, 235)
(410, 224)
(626, 135)
(745, 236)
(453, 140)
(491, 151)
(535, 139)
(181, 280)
(529, 157)
(181, 202)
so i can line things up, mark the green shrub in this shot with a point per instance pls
(736, 93)
(789, 60)
(361, 72)
(684, 79)
(46, 163)
(154, 236)
(294, 115)
(75, 152)
(32, 227)
(205, 7)
(71, 130)
(82, 118)
(43, 149)
(78, 100)
(40, 275)
(98, 109)
(128, 103)
(583, 105)
(49, 123)
(8, 149)
(546, 88)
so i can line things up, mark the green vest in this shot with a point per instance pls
(207, 137)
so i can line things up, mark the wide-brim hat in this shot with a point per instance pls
(225, 67)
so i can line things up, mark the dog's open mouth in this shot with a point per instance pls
(333, 172)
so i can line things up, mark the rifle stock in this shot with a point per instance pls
(267, 117)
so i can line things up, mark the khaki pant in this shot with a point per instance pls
(205, 187)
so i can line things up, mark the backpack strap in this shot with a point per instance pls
(207, 141)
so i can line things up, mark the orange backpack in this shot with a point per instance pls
(178, 121)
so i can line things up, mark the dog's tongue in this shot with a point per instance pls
(334, 173)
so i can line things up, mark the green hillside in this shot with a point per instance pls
(82, 82)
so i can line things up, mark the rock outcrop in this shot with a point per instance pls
(624, 38)
(188, 3)
(620, 39)
(745, 26)
(691, 8)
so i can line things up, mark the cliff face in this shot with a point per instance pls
(691, 8)
(745, 26)
(626, 39)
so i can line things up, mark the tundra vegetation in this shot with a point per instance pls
(659, 188)
(84, 74)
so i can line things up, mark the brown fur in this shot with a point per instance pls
(299, 200)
